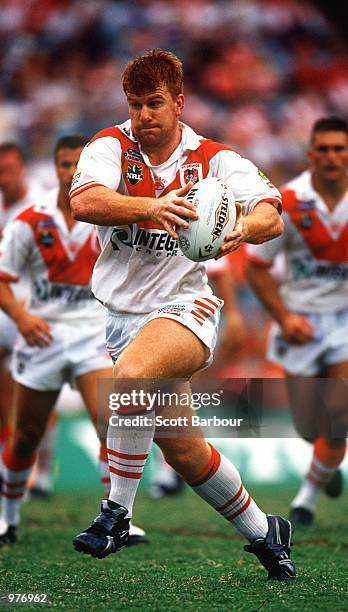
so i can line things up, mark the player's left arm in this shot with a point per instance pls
(258, 201)
(262, 224)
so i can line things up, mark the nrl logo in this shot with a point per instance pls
(134, 174)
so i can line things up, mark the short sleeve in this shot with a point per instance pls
(15, 250)
(99, 165)
(250, 186)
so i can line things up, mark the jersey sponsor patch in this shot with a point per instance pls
(147, 240)
(191, 173)
(265, 178)
(133, 155)
(46, 238)
(134, 174)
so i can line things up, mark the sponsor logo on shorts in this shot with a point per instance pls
(281, 346)
(222, 216)
(175, 309)
(134, 174)
(191, 173)
(20, 367)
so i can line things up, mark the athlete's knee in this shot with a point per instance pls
(26, 442)
(126, 369)
(337, 443)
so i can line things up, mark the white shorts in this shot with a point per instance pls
(201, 315)
(8, 332)
(329, 346)
(75, 350)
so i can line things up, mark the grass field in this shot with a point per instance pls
(195, 560)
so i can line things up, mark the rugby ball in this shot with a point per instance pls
(216, 208)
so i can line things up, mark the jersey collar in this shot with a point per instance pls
(189, 139)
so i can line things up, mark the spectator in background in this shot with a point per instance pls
(277, 64)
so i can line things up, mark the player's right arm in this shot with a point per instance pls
(35, 331)
(95, 199)
(103, 206)
(296, 328)
(15, 251)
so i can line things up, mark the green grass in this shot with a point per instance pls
(195, 560)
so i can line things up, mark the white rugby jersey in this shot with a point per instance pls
(59, 262)
(34, 191)
(315, 245)
(140, 267)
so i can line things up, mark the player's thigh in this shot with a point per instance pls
(32, 410)
(163, 349)
(87, 385)
(337, 370)
(6, 396)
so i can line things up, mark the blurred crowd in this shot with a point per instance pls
(258, 72)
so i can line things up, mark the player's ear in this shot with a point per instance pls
(179, 104)
(310, 154)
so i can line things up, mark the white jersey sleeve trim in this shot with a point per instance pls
(99, 165)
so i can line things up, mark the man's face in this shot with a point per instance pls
(329, 155)
(11, 172)
(154, 117)
(66, 162)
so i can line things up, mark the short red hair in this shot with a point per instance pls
(148, 72)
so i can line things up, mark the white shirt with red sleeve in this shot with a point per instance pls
(59, 262)
(315, 246)
(140, 268)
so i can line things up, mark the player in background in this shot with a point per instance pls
(61, 330)
(310, 307)
(162, 322)
(17, 191)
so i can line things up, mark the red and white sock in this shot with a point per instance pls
(325, 462)
(220, 485)
(104, 470)
(5, 434)
(127, 452)
(16, 472)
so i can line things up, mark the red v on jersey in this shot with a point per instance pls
(60, 268)
(138, 177)
(315, 232)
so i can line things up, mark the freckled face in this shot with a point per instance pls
(154, 117)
